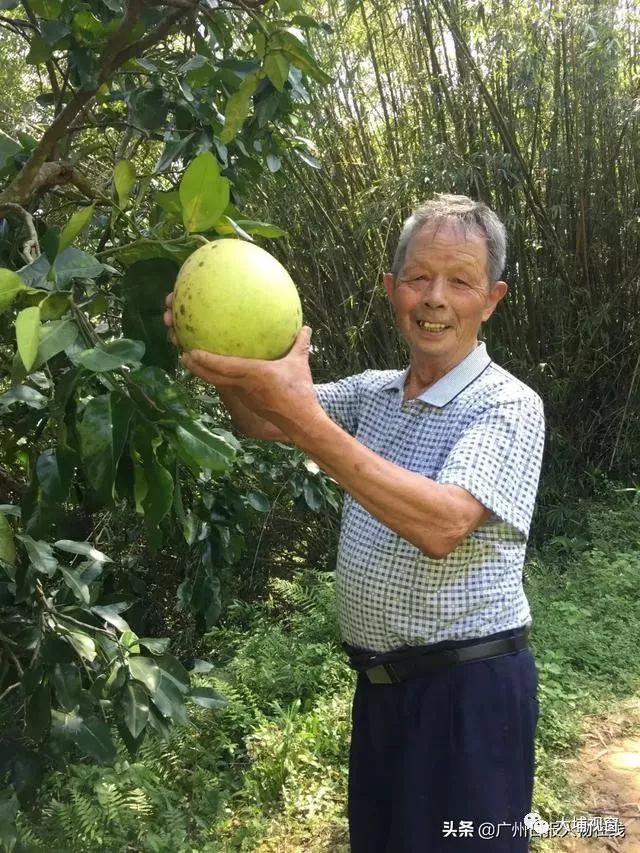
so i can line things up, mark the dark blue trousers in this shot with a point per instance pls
(454, 745)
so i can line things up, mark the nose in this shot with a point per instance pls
(434, 292)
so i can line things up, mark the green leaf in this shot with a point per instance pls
(83, 644)
(87, 29)
(112, 355)
(312, 495)
(296, 51)
(145, 287)
(40, 555)
(10, 284)
(308, 158)
(172, 150)
(204, 193)
(10, 509)
(259, 501)
(111, 614)
(39, 51)
(55, 336)
(146, 670)
(7, 543)
(159, 498)
(276, 67)
(85, 548)
(48, 9)
(22, 394)
(149, 108)
(55, 489)
(156, 645)
(124, 178)
(167, 396)
(167, 681)
(76, 585)
(238, 107)
(54, 31)
(92, 735)
(27, 335)
(207, 697)
(198, 448)
(135, 706)
(66, 681)
(129, 641)
(53, 307)
(199, 666)
(50, 244)
(78, 222)
(103, 433)
(70, 264)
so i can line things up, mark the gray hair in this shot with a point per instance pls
(472, 215)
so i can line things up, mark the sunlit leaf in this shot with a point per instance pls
(27, 334)
(135, 706)
(40, 554)
(204, 193)
(199, 448)
(78, 222)
(10, 285)
(112, 355)
(124, 179)
(66, 681)
(238, 107)
(276, 67)
(92, 735)
(85, 548)
(207, 697)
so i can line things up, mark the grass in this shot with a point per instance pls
(268, 773)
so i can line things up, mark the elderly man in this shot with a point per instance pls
(440, 463)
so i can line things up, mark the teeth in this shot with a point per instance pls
(432, 327)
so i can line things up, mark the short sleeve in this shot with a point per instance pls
(497, 459)
(341, 401)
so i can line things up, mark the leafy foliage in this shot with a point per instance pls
(153, 123)
(271, 772)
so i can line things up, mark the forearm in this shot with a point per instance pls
(248, 422)
(430, 515)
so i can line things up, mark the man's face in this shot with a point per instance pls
(442, 293)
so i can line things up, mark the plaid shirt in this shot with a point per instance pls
(477, 427)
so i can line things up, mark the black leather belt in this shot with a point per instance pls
(400, 668)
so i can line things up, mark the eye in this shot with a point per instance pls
(460, 281)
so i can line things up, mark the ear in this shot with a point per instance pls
(389, 282)
(498, 291)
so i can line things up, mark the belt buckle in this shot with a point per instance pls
(381, 674)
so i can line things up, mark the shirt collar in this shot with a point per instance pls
(452, 383)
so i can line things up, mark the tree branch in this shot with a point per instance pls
(116, 53)
(31, 247)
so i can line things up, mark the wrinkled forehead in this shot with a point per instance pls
(465, 242)
(450, 232)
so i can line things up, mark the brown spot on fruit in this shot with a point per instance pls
(182, 308)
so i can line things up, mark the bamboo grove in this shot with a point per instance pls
(532, 107)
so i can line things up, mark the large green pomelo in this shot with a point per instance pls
(233, 298)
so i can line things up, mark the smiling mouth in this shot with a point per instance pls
(431, 327)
